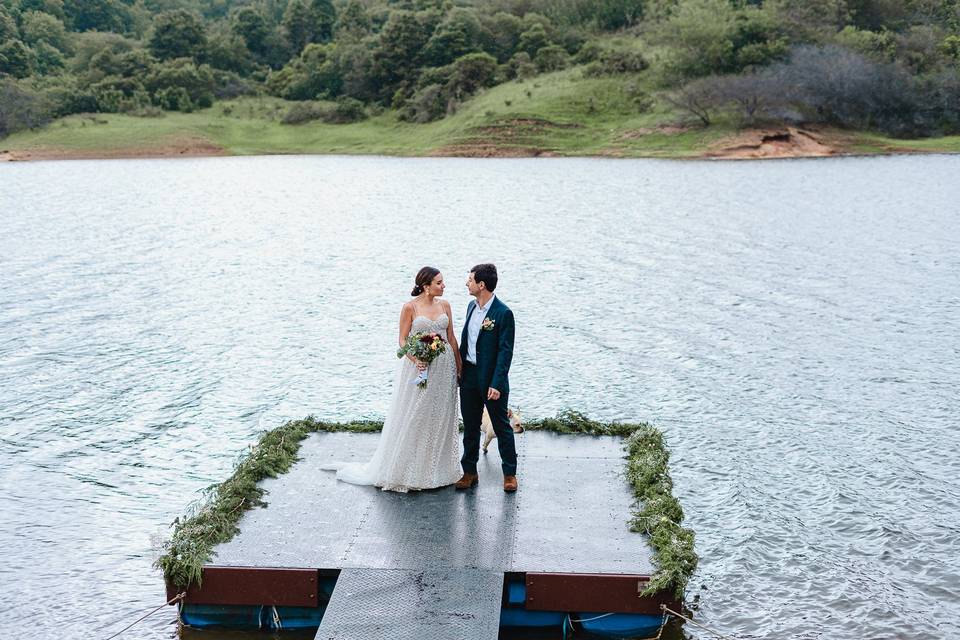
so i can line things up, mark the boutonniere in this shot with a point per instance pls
(488, 324)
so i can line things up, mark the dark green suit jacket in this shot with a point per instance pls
(494, 347)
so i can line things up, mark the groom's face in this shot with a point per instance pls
(472, 287)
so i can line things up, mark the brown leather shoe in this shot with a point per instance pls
(510, 483)
(468, 480)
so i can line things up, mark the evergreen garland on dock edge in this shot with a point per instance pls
(657, 513)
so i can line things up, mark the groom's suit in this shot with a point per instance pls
(494, 353)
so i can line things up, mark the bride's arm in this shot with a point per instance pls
(452, 337)
(406, 322)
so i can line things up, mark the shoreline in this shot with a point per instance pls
(767, 143)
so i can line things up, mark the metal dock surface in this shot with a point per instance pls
(431, 564)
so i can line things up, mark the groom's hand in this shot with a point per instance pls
(493, 394)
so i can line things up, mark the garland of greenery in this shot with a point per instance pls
(213, 520)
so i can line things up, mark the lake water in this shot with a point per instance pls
(791, 325)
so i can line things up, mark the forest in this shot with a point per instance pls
(891, 66)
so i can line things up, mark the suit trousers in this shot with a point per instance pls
(473, 398)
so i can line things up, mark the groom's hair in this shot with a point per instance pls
(487, 274)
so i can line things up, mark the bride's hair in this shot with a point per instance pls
(424, 277)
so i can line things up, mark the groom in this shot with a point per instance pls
(486, 347)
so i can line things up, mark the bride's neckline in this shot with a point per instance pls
(420, 315)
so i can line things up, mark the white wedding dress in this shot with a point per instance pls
(419, 447)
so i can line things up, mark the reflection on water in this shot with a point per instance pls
(791, 325)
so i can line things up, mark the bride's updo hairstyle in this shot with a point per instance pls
(424, 277)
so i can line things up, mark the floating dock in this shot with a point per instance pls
(357, 562)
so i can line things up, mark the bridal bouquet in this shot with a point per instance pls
(425, 347)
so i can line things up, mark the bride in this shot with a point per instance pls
(419, 444)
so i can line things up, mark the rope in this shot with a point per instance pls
(179, 596)
(276, 618)
(589, 619)
(696, 624)
(568, 620)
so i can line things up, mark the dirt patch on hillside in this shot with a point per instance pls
(169, 148)
(512, 138)
(788, 142)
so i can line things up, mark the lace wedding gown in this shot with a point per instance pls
(419, 445)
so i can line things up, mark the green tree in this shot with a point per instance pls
(196, 80)
(534, 39)
(920, 48)
(40, 27)
(98, 15)
(501, 34)
(8, 26)
(53, 7)
(178, 34)
(355, 62)
(15, 59)
(700, 36)
(457, 35)
(229, 52)
(875, 15)
(551, 58)
(47, 59)
(950, 47)
(470, 73)
(298, 25)
(91, 48)
(398, 52)
(312, 75)
(134, 64)
(353, 22)
(809, 20)
(306, 21)
(878, 46)
(251, 25)
(610, 15)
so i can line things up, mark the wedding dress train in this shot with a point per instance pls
(419, 445)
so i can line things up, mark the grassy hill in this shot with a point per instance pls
(559, 114)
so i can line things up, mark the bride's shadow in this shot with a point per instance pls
(440, 528)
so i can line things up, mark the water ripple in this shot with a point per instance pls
(791, 325)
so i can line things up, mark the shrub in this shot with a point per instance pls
(521, 66)
(470, 73)
(303, 112)
(617, 62)
(879, 47)
(174, 99)
(229, 85)
(551, 58)
(345, 111)
(832, 84)
(425, 105)
(197, 82)
(21, 108)
(589, 52)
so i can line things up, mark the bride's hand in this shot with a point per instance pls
(421, 366)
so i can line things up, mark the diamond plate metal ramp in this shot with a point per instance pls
(387, 604)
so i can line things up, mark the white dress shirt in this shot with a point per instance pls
(473, 329)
